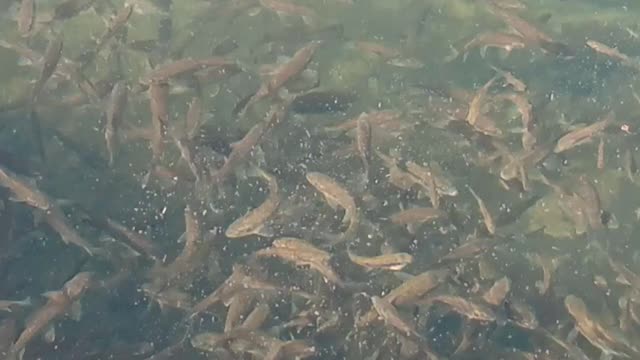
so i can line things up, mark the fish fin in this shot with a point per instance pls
(483, 52)
(265, 231)
(52, 295)
(75, 312)
(49, 335)
(309, 20)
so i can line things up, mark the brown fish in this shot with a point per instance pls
(166, 72)
(51, 57)
(612, 53)
(242, 149)
(416, 215)
(136, 239)
(158, 100)
(58, 303)
(609, 340)
(484, 211)
(285, 72)
(363, 144)
(409, 291)
(504, 41)
(116, 107)
(24, 190)
(336, 195)
(475, 106)
(392, 318)
(498, 292)
(50, 60)
(285, 8)
(464, 307)
(393, 262)
(584, 134)
(302, 253)
(26, 17)
(58, 221)
(254, 222)
(116, 24)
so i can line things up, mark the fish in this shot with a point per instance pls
(363, 144)
(610, 341)
(254, 222)
(58, 221)
(285, 8)
(484, 41)
(302, 253)
(392, 318)
(484, 211)
(8, 305)
(416, 215)
(408, 292)
(26, 17)
(116, 107)
(393, 262)
(612, 53)
(24, 190)
(498, 291)
(51, 58)
(322, 101)
(279, 76)
(166, 72)
(466, 308)
(336, 195)
(58, 303)
(158, 103)
(583, 134)
(432, 172)
(242, 149)
(475, 106)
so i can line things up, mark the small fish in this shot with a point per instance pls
(392, 318)
(600, 155)
(254, 222)
(609, 340)
(336, 195)
(612, 53)
(471, 310)
(484, 211)
(7, 305)
(432, 173)
(475, 106)
(393, 262)
(517, 84)
(158, 103)
(584, 134)
(116, 107)
(285, 8)
(242, 149)
(302, 253)
(498, 292)
(277, 78)
(136, 239)
(25, 190)
(116, 24)
(497, 40)
(528, 31)
(26, 17)
(58, 221)
(417, 215)
(166, 72)
(58, 303)
(51, 57)
(409, 292)
(363, 144)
